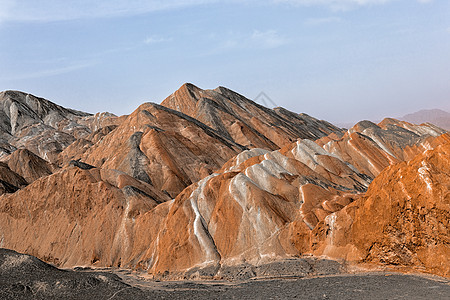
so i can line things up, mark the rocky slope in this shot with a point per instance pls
(372, 147)
(37, 124)
(192, 134)
(162, 147)
(244, 121)
(26, 277)
(44, 128)
(78, 216)
(170, 191)
(402, 220)
(260, 206)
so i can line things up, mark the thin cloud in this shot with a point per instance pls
(334, 4)
(339, 4)
(49, 72)
(156, 40)
(50, 10)
(268, 39)
(321, 21)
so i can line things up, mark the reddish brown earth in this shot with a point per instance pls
(162, 147)
(402, 220)
(210, 180)
(78, 217)
(244, 121)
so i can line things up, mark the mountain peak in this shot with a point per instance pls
(243, 121)
(437, 117)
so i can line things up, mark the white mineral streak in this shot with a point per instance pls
(262, 226)
(426, 146)
(244, 155)
(197, 198)
(281, 160)
(203, 237)
(304, 154)
(238, 189)
(330, 220)
(122, 239)
(424, 174)
(380, 143)
(205, 207)
(427, 129)
(306, 151)
(302, 200)
(374, 170)
(402, 186)
(263, 174)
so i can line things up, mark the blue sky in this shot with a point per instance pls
(339, 60)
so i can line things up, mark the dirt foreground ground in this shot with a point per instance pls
(26, 277)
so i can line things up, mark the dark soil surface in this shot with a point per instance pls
(26, 277)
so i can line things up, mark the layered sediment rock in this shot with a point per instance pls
(221, 182)
(403, 219)
(37, 124)
(162, 147)
(78, 217)
(244, 121)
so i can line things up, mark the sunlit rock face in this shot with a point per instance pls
(210, 179)
(79, 217)
(402, 220)
(371, 147)
(263, 206)
(182, 141)
(29, 165)
(244, 121)
(162, 147)
(246, 211)
(156, 144)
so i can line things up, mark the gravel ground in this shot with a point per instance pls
(26, 277)
(362, 286)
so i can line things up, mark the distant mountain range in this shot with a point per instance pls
(437, 117)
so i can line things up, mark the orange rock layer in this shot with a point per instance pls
(208, 186)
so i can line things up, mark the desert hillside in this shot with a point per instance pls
(209, 179)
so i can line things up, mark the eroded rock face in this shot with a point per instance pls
(222, 182)
(243, 212)
(162, 147)
(78, 217)
(244, 121)
(371, 147)
(46, 129)
(37, 124)
(10, 181)
(259, 207)
(29, 165)
(402, 220)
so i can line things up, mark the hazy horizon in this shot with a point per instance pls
(337, 60)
